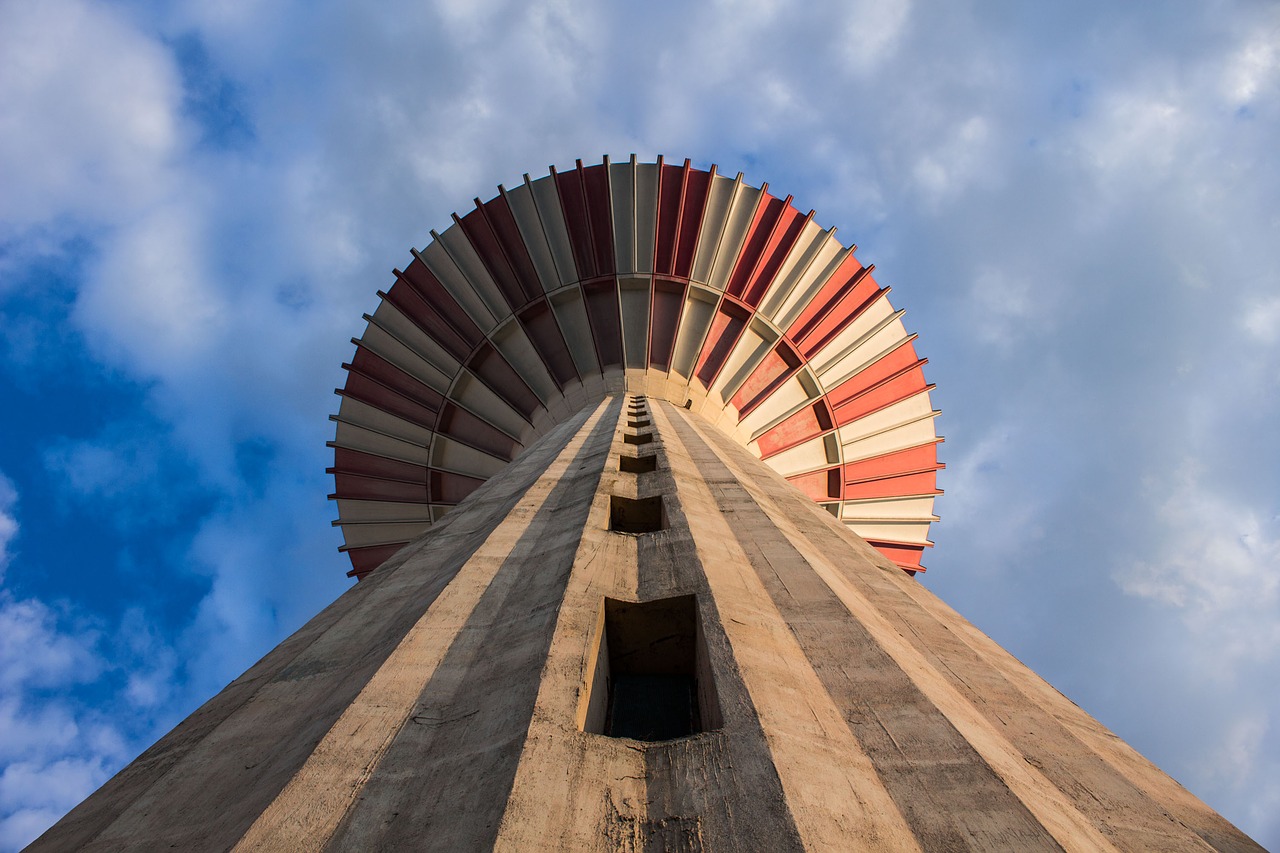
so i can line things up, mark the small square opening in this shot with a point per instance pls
(638, 515)
(652, 676)
(637, 464)
(642, 438)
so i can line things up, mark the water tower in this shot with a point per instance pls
(635, 463)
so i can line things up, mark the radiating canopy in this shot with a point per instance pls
(652, 278)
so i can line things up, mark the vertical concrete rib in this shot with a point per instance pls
(203, 785)
(567, 795)
(696, 786)
(581, 791)
(442, 703)
(309, 809)
(457, 748)
(1176, 801)
(1072, 791)
(948, 794)
(831, 783)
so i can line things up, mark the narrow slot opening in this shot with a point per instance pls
(637, 424)
(637, 515)
(833, 483)
(637, 464)
(643, 438)
(652, 675)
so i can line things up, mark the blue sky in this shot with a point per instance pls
(1077, 203)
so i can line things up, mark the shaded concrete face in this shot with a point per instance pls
(462, 696)
(637, 515)
(637, 464)
(652, 674)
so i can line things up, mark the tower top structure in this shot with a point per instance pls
(627, 632)
(654, 278)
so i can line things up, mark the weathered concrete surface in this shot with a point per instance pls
(207, 781)
(440, 704)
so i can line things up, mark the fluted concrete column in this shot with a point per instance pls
(453, 699)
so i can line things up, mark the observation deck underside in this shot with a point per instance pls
(649, 278)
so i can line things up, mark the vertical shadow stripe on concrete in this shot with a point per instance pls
(1033, 725)
(573, 791)
(458, 750)
(696, 785)
(291, 698)
(948, 794)
(833, 792)
(208, 795)
(579, 791)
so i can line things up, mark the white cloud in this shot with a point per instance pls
(1139, 136)
(31, 786)
(982, 485)
(957, 160)
(149, 302)
(1261, 320)
(873, 32)
(1218, 565)
(53, 753)
(1006, 308)
(269, 571)
(1238, 754)
(88, 112)
(57, 746)
(35, 653)
(1253, 69)
(100, 470)
(34, 794)
(47, 728)
(8, 521)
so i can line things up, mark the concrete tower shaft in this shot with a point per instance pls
(481, 689)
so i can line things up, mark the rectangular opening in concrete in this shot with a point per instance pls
(637, 515)
(652, 676)
(642, 438)
(637, 464)
(637, 424)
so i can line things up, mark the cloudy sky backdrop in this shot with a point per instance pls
(1077, 203)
